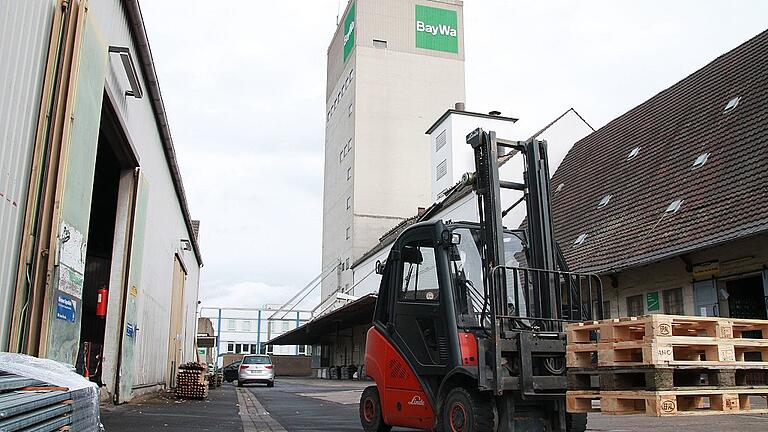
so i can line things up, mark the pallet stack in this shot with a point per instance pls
(664, 365)
(191, 382)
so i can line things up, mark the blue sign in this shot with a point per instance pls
(65, 309)
(129, 330)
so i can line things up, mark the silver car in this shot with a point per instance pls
(256, 368)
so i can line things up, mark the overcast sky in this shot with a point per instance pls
(244, 83)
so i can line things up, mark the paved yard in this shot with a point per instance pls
(321, 405)
(166, 413)
(331, 406)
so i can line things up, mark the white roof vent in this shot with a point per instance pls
(560, 187)
(674, 206)
(732, 104)
(604, 201)
(701, 160)
(580, 239)
(633, 154)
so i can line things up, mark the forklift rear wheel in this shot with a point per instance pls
(466, 411)
(576, 422)
(370, 411)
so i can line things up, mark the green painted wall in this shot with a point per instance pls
(64, 329)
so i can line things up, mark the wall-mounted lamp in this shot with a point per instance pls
(186, 245)
(130, 70)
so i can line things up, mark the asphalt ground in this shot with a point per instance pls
(321, 405)
(331, 406)
(163, 412)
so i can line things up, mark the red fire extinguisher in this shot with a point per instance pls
(101, 302)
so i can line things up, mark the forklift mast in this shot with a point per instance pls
(540, 324)
(466, 338)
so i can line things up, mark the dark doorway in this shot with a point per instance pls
(746, 298)
(98, 262)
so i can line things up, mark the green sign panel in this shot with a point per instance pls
(652, 298)
(437, 29)
(349, 31)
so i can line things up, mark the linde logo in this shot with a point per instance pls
(441, 29)
(416, 400)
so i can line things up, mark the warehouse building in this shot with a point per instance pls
(99, 257)
(387, 79)
(667, 204)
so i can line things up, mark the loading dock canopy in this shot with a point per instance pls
(358, 312)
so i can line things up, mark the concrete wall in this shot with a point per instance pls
(394, 94)
(292, 365)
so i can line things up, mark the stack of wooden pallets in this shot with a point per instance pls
(191, 382)
(664, 365)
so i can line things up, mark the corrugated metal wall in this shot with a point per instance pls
(25, 30)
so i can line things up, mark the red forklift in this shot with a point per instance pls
(468, 335)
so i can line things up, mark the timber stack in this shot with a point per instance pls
(666, 365)
(191, 382)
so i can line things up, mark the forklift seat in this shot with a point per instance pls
(412, 254)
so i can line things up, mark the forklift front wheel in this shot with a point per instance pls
(466, 411)
(370, 411)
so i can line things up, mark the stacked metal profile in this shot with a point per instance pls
(28, 404)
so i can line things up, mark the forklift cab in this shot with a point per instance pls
(431, 303)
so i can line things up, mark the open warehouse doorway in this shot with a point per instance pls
(103, 252)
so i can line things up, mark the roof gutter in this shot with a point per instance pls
(139, 33)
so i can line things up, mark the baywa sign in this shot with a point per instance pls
(349, 32)
(437, 29)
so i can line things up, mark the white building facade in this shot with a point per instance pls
(246, 330)
(393, 67)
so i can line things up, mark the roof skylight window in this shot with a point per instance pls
(604, 201)
(732, 104)
(701, 160)
(560, 187)
(580, 239)
(674, 206)
(633, 154)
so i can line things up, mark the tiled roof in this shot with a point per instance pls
(725, 199)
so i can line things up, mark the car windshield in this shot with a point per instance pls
(466, 267)
(256, 360)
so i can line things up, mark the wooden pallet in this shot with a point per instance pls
(667, 403)
(650, 327)
(668, 351)
(654, 378)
